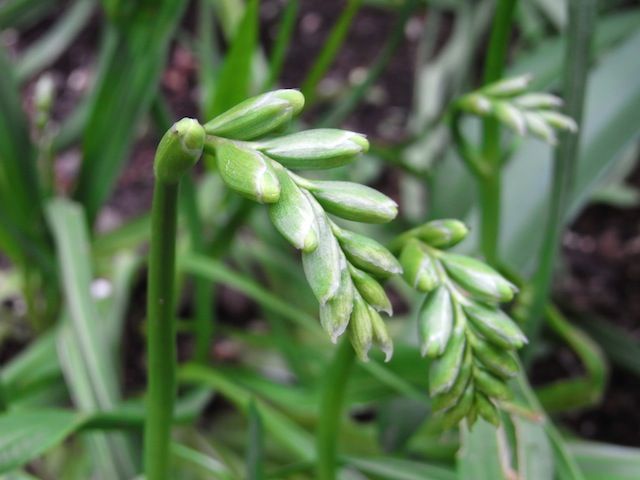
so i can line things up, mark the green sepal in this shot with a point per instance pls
(335, 313)
(292, 214)
(487, 409)
(360, 328)
(178, 150)
(257, 116)
(435, 322)
(452, 417)
(353, 201)
(495, 326)
(248, 172)
(323, 266)
(381, 334)
(367, 254)
(499, 362)
(444, 370)
(447, 400)
(418, 267)
(371, 291)
(444, 233)
(315, 149)
(490, 385)
(479, 279)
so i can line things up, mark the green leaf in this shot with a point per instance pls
(25, 435)
(602, 461)
(255, 445)
(479, 457)
(234, 79)
(390, 468)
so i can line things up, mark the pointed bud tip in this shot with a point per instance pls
(191, 134)
(294, 97)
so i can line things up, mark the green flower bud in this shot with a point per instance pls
(44, 94)
(316, 149)
(447, 400)
(559, 121)
(535, 101)
(418, 267)
(511, 117)
(360, 329)
(487, 409)
(353, 201)
(443, 233)
(371, 291)
(322, 266)
(381, 334)
(496, 326)
(497, 361)
(472, 415)
(435, 322)
(490, 385)
(508, 87)
(178, 150)
(248, 172)
(444, 370)
(367, 254)
(257, 116)
(335, 313)
(540, 128)
(476, 103)
(478, 279)
(292, 214)
(453, 416)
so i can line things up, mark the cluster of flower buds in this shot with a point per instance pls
(343, 268)
(461, 327)
(509, 101)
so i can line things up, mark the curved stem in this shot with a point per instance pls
(161, 332)
(331, 410)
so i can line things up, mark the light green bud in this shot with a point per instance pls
(371, 291)
(435, 322)
(419, 269)
(292, 214)
(444, 233)
(476, 103)
(490, 385)
(487, 409)
(353, 201)
(447, 400)
(44, 93)
(537, 125)
(367, 254)
(178, 150)
(499, 362)
(316, 149)
(360, 329)
(454, 415)
(248, 172)
(381, 334)
(445, 369)
(323, 265)
(336, 312)
(257, 116)
(479, 279)
(495, 326)
(508, 87)
(511, 117)
(535, 101)
(559, 121)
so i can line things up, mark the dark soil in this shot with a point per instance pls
(601, 249)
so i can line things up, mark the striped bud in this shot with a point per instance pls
(487, 409)
(257, 116)
(367, 254)
(381, 334)
(490, 385)
(444, 370)
(292, 214)
(535, 101)
(559, 121)
(453, 416)
(478, 279)
(353, 201)
(248, 172)
(495, 326)
(511, 117)
(446, 400)
(178, 150)
(540, 128)
(435, 322)
(360, 329)
(497, 361)
(316, 149)
(443, 233)
(418, 267)
(335, 313)
(323, 266)
(371, 291)
(508, 87)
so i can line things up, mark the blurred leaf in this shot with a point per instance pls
(25, 435)
(480, 453)
(534, 454)
(24, 13)
(617, 195)
(389, 468)
(398, 420)
(621, 347)
(282, 42)
(135, 54)
(234, 80)
(211, 466)
(606, 462)
(255, 448)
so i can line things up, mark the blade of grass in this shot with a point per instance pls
(255, 445)
(281, 45)
(620, 347)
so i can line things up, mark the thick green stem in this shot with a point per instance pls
(331, 410)
(161, 332)
(490, 185)
(582, 15)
